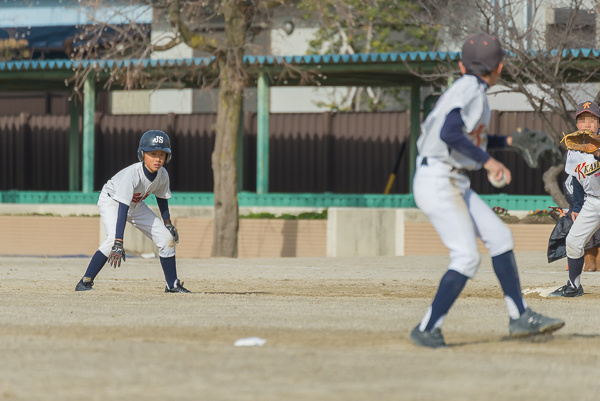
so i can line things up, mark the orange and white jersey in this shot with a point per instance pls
(586, 169)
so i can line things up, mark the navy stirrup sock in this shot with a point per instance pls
(450, 287)
(170, 270)
(575, 269)
(96, 264)
(505, 268)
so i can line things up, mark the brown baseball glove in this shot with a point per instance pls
(582, 141)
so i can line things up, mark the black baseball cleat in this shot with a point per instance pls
(429, 339)
(567, 291)
(531, 323)
(178, 288)
(85, 284)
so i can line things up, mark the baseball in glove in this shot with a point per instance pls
(582, 140)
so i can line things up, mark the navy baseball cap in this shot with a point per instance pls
(481, 53)
(588, 107)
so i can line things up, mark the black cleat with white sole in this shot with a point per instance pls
(567, 291)
(429, 339)
(85, 284)
(178, 288)
(531, 323)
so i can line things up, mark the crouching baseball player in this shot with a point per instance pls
(583, 164)
(122, 200)
(454, 139)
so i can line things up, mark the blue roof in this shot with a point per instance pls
(374, 58)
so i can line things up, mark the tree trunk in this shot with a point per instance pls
(551, 185)
(231, 85)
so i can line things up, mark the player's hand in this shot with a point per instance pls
(496, 170)
(116, 254)
(173, 232)
(574, 215)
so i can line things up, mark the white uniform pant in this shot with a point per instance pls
(584, 226)
(459, 215)
(140, 217)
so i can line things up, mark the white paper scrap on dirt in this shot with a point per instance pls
(250, 342)
(543, 292)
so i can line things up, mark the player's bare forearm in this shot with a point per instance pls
(167, 222)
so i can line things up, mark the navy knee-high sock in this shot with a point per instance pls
(505, 268)
(450, 287)
(170, 270)
(575, 269)
(96, 264)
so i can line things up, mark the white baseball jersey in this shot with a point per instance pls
(586, 169)
(467, 94)
(130, 185)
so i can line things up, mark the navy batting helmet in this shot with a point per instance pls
(154, 140)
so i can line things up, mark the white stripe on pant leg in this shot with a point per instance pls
(426, 318)
(513, 311)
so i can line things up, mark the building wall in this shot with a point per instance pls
(308, 153)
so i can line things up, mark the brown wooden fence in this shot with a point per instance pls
(316, 152)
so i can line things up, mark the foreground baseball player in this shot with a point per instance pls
(584, 168)
(122, 200)
(453, 139)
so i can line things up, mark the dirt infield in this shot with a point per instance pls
(336, 329)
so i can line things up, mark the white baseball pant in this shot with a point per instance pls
(140, 217)
(584, 226)
(458, 215)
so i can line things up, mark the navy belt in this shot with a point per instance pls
(454, 169)
(458, 170)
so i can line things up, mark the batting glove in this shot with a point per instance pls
(173, 232)
(116, 254)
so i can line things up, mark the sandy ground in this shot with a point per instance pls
(336, 329)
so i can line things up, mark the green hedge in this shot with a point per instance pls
(326, 200)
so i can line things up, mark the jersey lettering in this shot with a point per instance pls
(585, 170)
(476, 134)
(137, 198)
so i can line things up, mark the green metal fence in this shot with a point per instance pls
(510, 202)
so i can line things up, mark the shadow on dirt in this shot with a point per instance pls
(238, 293)
(537, 339)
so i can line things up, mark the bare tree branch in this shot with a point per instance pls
(193, 40)
(172, 43)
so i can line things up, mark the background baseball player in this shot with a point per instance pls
(122, 200)
(557, 244)
(453, 139)
(585, 169)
